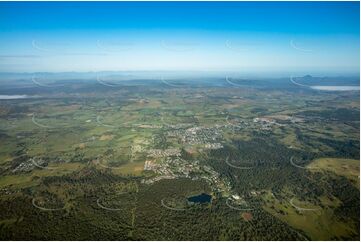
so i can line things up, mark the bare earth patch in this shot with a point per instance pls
(247, 216)
(106, 137)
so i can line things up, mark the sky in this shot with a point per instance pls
(304, 37)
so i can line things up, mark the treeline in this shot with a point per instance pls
(141, 216)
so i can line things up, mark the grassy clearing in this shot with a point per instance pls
(131, 168)
(31, 179)
(349, 168)
(318, 225)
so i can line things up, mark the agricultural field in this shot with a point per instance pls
(179, 160)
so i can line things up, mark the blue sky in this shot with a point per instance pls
(208, 36)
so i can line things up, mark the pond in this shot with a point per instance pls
(201, 198)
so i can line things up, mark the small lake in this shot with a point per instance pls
(201, 198)
(8, 97)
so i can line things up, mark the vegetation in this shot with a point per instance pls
(91, 162)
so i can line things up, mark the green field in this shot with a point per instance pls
(119, 163)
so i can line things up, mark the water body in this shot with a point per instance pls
(7, 97)
(336, 88)
(201, 198)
